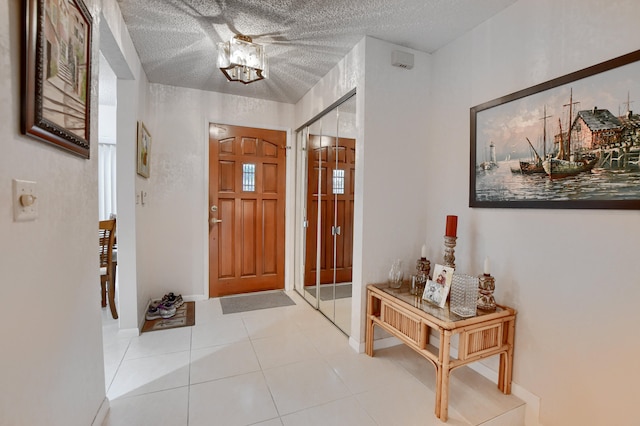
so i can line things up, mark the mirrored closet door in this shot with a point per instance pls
(328, 171)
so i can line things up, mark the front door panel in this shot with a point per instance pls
(246, 209)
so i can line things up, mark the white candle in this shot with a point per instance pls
(424, 251)
(486, 265)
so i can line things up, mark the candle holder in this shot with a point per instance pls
(423, 268)
(486, 286)
(449, 255)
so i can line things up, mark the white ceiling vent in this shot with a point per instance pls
(402, 59)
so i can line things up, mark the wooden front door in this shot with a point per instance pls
(246, 209)
(330, 189)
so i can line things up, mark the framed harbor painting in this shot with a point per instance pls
(569, 143)
(56, 59)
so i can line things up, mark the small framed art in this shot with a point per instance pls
(144, 148)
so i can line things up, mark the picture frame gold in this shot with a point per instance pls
(56, 83)
(143, 151)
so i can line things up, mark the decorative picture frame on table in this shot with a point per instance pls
(144, 150)
(56, 82)
(437, 290)
(570, 143)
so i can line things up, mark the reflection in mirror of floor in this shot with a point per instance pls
(341, 304)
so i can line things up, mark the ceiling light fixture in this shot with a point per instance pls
(241, 60)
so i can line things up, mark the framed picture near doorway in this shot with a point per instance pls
(569, 143)
(144, 148)
(56, 59)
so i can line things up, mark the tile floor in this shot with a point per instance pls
(282, 366)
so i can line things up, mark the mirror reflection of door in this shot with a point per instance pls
(329, 164)
(330, 209)
(246, 209)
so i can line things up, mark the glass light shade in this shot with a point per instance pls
(241, 60)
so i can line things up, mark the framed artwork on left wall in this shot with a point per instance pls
(144, 149)
(56, 83)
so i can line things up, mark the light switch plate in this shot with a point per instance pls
(22, 213)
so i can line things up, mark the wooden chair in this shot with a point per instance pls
(107, 233)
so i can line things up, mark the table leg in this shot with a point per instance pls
(442, 390)
(505, 371)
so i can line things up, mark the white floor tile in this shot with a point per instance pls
(303, 385)
(208, 311)
(114, 350)
(361, 372)
(281, 350)
(238, 400)
(269, 323)
(405, 403)
(143, 375)
(343, 412)
(222, 331)
(164, 408)
(217, 362)
(159, 342)
(513, 417)
(272, 422)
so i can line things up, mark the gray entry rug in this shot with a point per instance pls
(253, 302)
(326, 291)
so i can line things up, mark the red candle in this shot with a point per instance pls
(452, 226)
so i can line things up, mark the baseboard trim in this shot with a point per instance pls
(195, 298)
(101, 415)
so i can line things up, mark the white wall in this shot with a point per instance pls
(391, 146)
(132, 94)
(172, 225)
(571, 274)
(51, 337)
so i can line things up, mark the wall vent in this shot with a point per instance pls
(402, 59)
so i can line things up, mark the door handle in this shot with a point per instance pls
(214, 221)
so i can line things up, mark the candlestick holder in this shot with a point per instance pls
(449, 248)
(486, 286)
(423, 268)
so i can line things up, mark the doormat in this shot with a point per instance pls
(253, 302)
(185, 316)
(326, 292)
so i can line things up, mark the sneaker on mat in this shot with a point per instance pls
(171, 299)
(160, 310)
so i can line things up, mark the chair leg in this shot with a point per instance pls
(103, 292)
(112, 298)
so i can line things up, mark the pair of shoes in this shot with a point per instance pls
(171, 299)
(158, 310)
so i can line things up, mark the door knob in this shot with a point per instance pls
(214, 220)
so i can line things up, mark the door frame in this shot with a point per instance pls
(289, 225)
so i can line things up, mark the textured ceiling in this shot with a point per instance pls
(304, 39)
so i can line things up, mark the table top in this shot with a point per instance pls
(443, 314)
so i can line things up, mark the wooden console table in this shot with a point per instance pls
(410, 319)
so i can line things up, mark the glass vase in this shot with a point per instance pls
(396, 275)
(464, 295)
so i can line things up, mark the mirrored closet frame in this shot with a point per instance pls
(326, 307)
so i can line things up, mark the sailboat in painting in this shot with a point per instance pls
(534, 165)
(566, 163)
